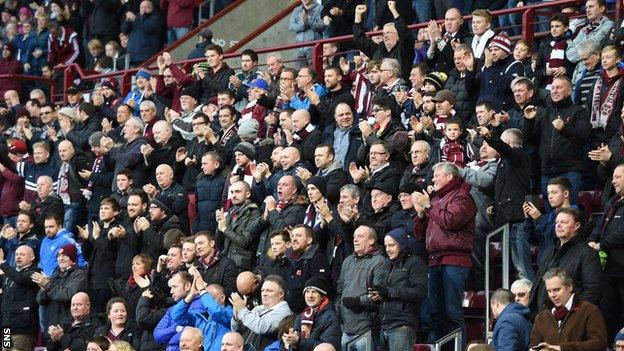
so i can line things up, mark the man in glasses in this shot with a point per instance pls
(587, 73)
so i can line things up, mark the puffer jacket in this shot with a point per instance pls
(208, 190)
(237, 241)
(326, 329)
(464, 102)
(206, 314)
(512, 331)
(449, 224)
(494, 83)
(406, 282)
(562, 151)
(311, 263)
(358, 273)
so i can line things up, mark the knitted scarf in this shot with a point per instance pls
(591, 26)
(211, 260)
(557, 55)
(453, 151)
(228, 134)
(302, 134)
(603, 105)
(131, 280)
(309, 315)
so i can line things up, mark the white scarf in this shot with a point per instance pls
(479, 42)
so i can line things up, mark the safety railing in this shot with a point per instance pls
(528, 14)
(505, 257)
(455, 336)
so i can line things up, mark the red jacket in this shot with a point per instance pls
(12, 192)
(64, 48)
(9, 66)
(179, 12)
(449, 224)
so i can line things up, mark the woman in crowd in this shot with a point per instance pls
(117, 326)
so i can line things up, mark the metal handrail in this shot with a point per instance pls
(505, 230)
(210, 10)
(454, 335)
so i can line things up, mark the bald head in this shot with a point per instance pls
(325, 347)
(66, 150)
(232, 341)
(24, 256)
(290, 155)
(164, 176)
(80, 306)
(246, 282)
(300, 119)
(287, 188)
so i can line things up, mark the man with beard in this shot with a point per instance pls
(227, 138)
(161, 219)
(337, 93)
(126, 239)
(125, 184)
(234, 233)
(329, 169)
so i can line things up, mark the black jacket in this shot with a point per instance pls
(328, 103)
(19, 306)
(336, 177)
(326, 329)
(290, 216)
(179, 206)
(307, 146)
(189, 173)
(511, 183)
(312, 263)
(562, 151)
(101, 181)
(127, 247)
(51, 204)
(388, 175)
(464, 102)
(75, 337)
(153, 237)
(208, 190)
(129, 156)
(102, 257)
(493, 83)
(403, 51)
(163, 154)
(57, 294)
(543, 55)
(148, 317)
(223, 272)
(131, 334)
(406, 285)
(80, 133)
(608, 232)
(442, 61)
(104, 19)
(213, 82)
(581, 261)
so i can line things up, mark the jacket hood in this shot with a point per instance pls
(516, 308)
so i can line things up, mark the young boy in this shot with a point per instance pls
(454, 146)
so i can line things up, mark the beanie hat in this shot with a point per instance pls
(143, 74)
(18, 147)
(317, 283)
(437, 79)
(70, 251)
(320, 183)
(400, 236)
(94, 139)
(409, 188)
(191, 91)
(501, 40)
(164, 202)
(110, 84)
(69, 112)
(619, 336)
(386, 187)
(401, 141)
(246, 149)
(248, 129)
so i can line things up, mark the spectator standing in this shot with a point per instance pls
(70, 184)
(144, 33)
(440, 51)
(208, 189)
(307, 24)
(551, 59)
(9, 65)
(103, 19)
(63, 48)
(586, 74)
(449, 213)
(24, 233)
(212, 265)
(179, 17)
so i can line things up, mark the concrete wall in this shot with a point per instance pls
(235, 25)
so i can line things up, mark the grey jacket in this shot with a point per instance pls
(259, 326)
(482, 191)
(238, 242)
(312, 29)
(357, 275)
(600, 34)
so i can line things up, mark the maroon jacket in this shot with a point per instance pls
(449, 224)
(179, 12)
(63, 49)
(12, 191)
(9, 66)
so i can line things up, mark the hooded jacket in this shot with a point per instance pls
(494, 83)
(50, 248)
(512, 331)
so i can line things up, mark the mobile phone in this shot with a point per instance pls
(534, 199)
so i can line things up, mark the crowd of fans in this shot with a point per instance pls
(300, 210)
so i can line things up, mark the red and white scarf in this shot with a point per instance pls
(302, 134)
(557, 55)
(228, 134)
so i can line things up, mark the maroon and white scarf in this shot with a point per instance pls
(282, 205)
(228, 134)
(603, 105)
(591, 26)
(302, 134)
(557, 55)
(211, 260)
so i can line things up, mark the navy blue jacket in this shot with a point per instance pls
(208, 190)
(144, 36)
(493, 83)
(355, 141)
(512, 331)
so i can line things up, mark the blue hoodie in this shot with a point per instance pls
(50, 248)
(512, 331)
(206, 314)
